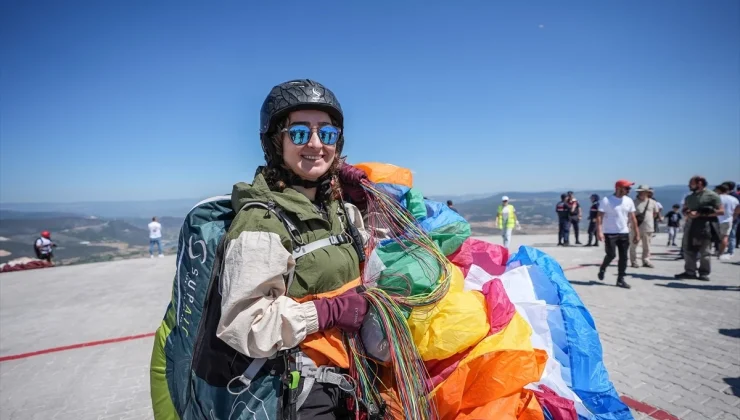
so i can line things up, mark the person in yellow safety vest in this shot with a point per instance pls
(506, 219)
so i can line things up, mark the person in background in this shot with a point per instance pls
(593, 216)
(575, 214)
(616, 216)
(702, 209)
(673, 219)
(737, 222)
(561, 209)
(732, 241)
(732, 211)
(44, 247)
(646, 212)
(685, 237)
(155, 237)
(659, 217)
(506, 219)
(452, 207)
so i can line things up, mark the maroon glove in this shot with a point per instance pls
(346, 311)
(351, 179)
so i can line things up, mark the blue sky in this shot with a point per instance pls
(145, 100)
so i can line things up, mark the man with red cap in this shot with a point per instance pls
(616, 218)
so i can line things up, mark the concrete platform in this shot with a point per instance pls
(673, 345)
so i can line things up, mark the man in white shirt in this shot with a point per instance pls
(155, 235)
(616, 217)
(732, 210)
(45, 247)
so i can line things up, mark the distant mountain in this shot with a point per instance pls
(11, 214)
(536, 210)
(458, 198)
(110, 209)
(79, 238)
(125, 223)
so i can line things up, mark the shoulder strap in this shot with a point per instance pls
(647, 204)
(299, 248)
(270, 206)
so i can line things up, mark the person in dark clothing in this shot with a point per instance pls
(563, 221)
(574, 214)
(701, 209)
(593, 215)
(452, 207)
(673, 218)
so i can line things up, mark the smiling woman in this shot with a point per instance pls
(301, 130)
(309, 156)
(288, 278)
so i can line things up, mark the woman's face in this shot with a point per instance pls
(314, 158)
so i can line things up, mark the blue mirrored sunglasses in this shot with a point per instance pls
(300, 134)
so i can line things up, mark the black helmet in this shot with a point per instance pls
(292, 96)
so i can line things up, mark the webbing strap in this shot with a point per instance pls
(293, 231)
(305, 363)
(252, 371)
(321, 374)
(321, 243)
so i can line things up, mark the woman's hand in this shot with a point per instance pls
(351, 179)
(346, 311)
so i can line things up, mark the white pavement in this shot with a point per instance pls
(672, 344)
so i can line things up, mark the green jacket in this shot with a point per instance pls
(257, 317)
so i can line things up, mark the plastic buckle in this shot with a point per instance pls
(338, 239)
(295, 378)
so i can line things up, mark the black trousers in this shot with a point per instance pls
(612, 243)
(325, 402)
(575, 222)
(563, 231)
(592, 232)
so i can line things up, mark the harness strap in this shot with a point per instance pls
(321, 243)
(295, 234)
(300, 249)
(252, 371)
(321, 374)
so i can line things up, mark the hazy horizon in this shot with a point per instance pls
(195, 199)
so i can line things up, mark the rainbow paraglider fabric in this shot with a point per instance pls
(510, 339)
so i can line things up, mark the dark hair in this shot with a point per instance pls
(730, 185)
(722, 188)
(279, 177)
(449, 202)
(570, 192)
(154, 219)
(699, 180)
(562, 196)
(676, 206)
